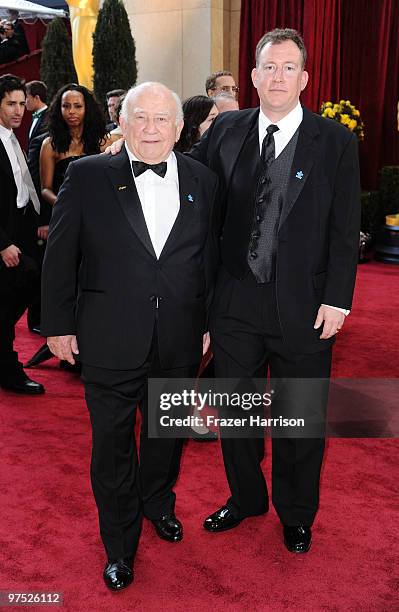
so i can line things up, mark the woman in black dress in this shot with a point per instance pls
(76, 128)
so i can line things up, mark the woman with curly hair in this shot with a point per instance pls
(199, 113)
(77, 128)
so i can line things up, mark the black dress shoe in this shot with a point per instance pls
(297, 538)
(118, 574)
(209, 436)
(169, 528)
(43, 354)
(22, 384)
(221, 520)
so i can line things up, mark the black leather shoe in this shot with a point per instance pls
(23, 384)
(297, 538)
(43, 354)
(221, 520)
(209, 436)
(118, 574)
(169, 528)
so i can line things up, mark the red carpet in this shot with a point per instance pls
(48, 529)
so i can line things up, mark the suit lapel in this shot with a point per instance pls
(5, 162)
(125, 190)
(188, 187)
(232, 143)
(304, 158)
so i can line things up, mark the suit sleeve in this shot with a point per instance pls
(344, 230)
(212, 255)
(59, 274)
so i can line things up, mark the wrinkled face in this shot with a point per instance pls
(151, 131)
(213, 113)
(12, 108)
(73, 108)
(279, 78)
(112, 104)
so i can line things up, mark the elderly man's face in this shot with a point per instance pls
(151, 131)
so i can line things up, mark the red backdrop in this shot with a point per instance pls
(353, 53)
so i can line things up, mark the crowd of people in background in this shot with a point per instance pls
(13, 43)
(73, 125)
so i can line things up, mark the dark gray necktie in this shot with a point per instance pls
(268, 150)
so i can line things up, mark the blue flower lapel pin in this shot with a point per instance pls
(190, 198)
(299, 175)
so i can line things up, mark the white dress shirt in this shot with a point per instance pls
(160, 200)
(23, 192)
(287, 126)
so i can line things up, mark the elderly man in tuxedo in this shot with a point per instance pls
(289, 247)
(127, 278)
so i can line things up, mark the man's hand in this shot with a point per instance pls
(10, 256)
(64, 347)
(115, 147)
(42, 232)
(333, 321)
(206, 342)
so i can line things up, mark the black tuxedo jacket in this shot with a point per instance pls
(98, 228)
(8, 207)
(318, 236)
(39, 133)
(40, 127)
(10, 232)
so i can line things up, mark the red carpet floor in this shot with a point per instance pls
(48, 530)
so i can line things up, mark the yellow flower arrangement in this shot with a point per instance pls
(344, 112)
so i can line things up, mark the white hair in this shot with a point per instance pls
(134, 92)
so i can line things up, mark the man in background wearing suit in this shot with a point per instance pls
(138, 223)
(36, 103)
(19, 209)
(289, 247)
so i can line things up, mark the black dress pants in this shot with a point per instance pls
(18, 286)
(246, 342)
(124, 487)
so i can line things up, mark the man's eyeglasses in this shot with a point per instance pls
(227, 88)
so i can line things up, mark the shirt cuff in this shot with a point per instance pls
(343, 310)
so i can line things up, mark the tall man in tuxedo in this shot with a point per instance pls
(19, 209)
(139, 225)
(289, 246)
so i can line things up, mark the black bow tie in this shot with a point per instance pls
(139, 167)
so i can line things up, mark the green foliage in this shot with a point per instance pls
(57, 68)
(389, 189)
(114, 51)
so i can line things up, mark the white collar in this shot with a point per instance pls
(289, 123)
(5, 133)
